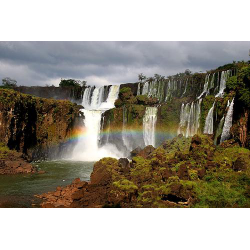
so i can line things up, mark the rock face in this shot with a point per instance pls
(143, 152)
(12, 162)
(64, 196)
(30, 124)
(60, 93)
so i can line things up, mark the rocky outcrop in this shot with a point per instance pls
(12, 162)
(143, 152)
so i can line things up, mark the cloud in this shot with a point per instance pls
(41, 63)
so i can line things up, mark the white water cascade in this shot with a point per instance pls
(149, 122)
(219, 129)
(205, 88)
(87, 148)
(228, 123)
(224, 76)
(190, 118)
(208, 129)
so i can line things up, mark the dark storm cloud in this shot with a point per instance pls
(40, 63)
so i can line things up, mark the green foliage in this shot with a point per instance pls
(244, 89)
(3, 149)
(118, 103)
(220, 194)
(231, 83)
(142, 99)
(72, 83)
(124, 90)
(125, 185)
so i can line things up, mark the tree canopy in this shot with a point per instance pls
(8, 82)
(72, 83)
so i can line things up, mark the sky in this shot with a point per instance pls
(104, 63)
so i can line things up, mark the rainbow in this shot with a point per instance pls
(81, 132)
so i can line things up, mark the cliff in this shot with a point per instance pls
(73, 94)
(34, 126)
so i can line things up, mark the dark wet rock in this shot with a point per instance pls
(135, 152)
(241, 164)
(147, 151)
(143, 152)
(124, 165)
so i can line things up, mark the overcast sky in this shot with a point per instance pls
(102, 63)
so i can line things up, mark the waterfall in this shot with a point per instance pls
(228, 123)
(185, 88)
(208, 129)
(138, 89)
(86, 100)
(112, 96)
(205, 88)
(219, 130)
(149, 122)
(190, 118)
(87, 147)
(224, 76)
(145, 88)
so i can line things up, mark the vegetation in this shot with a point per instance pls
(184, 174)
(72, 83)
(7, 82)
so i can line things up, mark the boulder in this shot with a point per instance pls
(124, 165)
(241, 164)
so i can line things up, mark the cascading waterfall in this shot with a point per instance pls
(139, 89)
(205, 88)
(219, 130)
(224, 76)
(190, 118)
(228, 123)
(208, 129)
(163, 89)
(149, 122)
(186, 84)
(87, 148)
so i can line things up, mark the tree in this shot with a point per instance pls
(188, 72)
(150, 79)
(141, 77)
(8, 82)
(157, 77)
(72, 83)
(84, 83)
